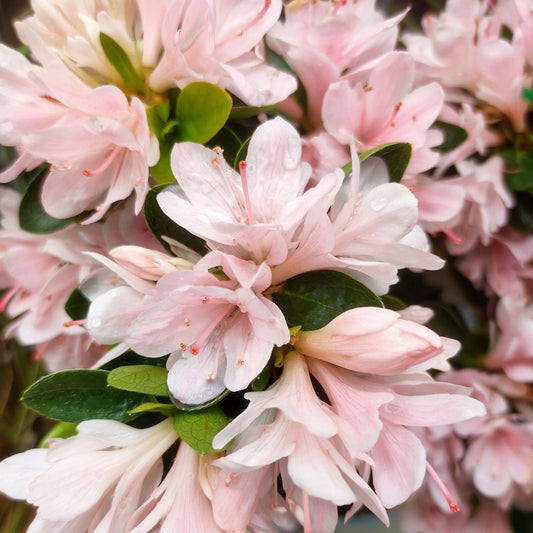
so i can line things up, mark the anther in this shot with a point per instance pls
(449, 498)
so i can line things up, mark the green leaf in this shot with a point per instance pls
(140, 378)
(32, 217)
(76, 395)
(162, 171)
(262, 380)
(393, 303)
(314, 299)
(201, 110)
(154, 407)
(454, 136)
(199, 406)
(197, 428)
(62, 430)
(132, 358)
(122, 64)
(527, 95)
(395, 155)
(246, 111)
(242, 153)
(519, 170)
(77, 305)
(161, 225)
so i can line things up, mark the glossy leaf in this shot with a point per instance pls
(161, 225)
(132, 358)
(395, 155)
(122, 64)
(32, 216)
(454, 136)
(314, 299)
(140, 378)
(76, 395)
(197, 428)
(201, 111)
(77, 305)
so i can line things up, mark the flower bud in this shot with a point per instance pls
(148, 264)
(370, 340)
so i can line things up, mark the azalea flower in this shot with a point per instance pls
(178, 503)
(100, 476)
(253, 215)
(288, 423)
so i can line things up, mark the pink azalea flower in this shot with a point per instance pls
(100, 476)
(324, 42)
(218, 42)
(43, 271)
(370, 340)
(513, 344)
(256, 214)
(98, 157)
(178, 503)
(288, 423)
(505, 262)
(380, 408)
(486, 206)
(381, 107)
(370, 231)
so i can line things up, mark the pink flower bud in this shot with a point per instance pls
(148, 264)
(370, 340)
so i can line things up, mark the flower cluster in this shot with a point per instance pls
(217, 229)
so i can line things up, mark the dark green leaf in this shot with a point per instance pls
(393, 303)
(140, 378)
(76, 395)
(122, 64)
(519, 170)
(201, 110)
(77, 305)
(161, 225)
(132, 358)
(197, 428)
(32, 217)
(314, 299)
(198, 407)
(454, 136)
(522, 213)
(395, 155)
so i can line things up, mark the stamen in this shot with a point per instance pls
(107, 162)
(7, 297)
(337, 5)
(195, 348)
(242, 170)
(449, 498)
(449, 233)
(70, 323)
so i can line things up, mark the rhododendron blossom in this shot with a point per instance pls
(276, 258)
